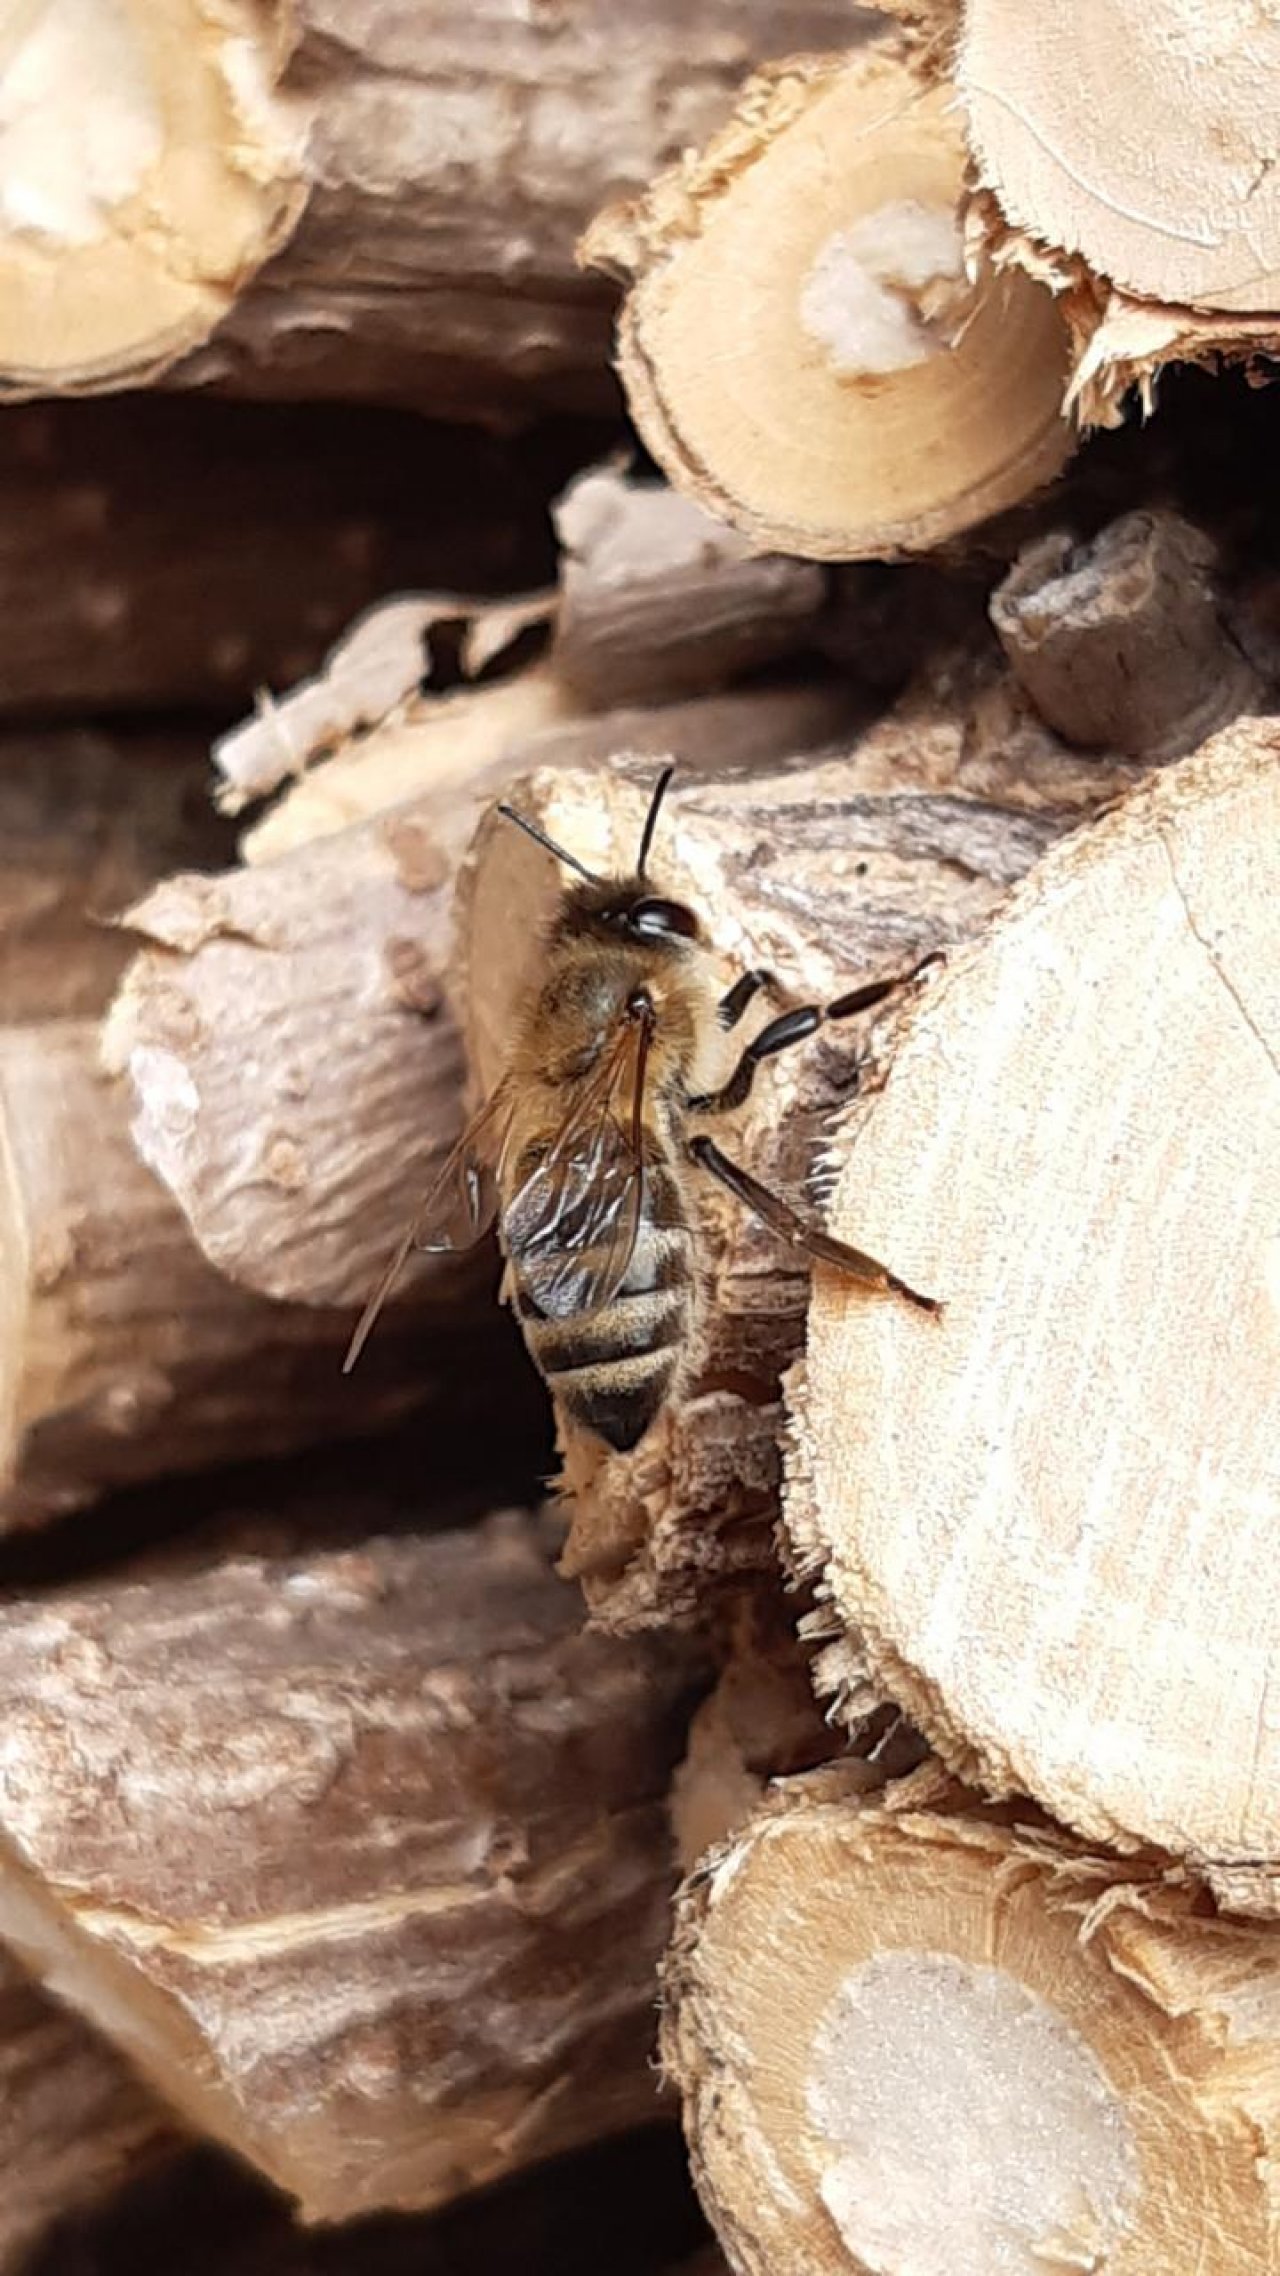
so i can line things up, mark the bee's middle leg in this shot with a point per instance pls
(790, 1027)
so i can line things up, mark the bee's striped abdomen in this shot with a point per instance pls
(612, 1369)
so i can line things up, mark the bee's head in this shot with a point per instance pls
(622, 907)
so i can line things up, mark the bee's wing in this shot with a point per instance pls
(576, 1218)
(459, 1207)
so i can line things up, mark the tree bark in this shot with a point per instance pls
(87, 822)
(424, 175)
(123, 1354)
(802, 345)
(299, 1167)
(159, 554)
(74, 2124)
(1122, 643)
(1075, 1151)
(829, 873)
(882, 2099)
(366, 1865)
(659, 600)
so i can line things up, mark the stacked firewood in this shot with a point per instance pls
(356, 1730)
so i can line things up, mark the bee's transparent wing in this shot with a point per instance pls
(459, 1207)
(575, 1220)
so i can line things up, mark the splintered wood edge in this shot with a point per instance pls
(800, 344)
(1104, 1716)
(199, 180)
(866, 2002)
(1131, 136)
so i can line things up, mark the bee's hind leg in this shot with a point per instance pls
(799, 1232)
(790, 1027)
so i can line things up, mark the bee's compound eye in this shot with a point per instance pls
(663, 920)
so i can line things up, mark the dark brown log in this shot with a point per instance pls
(828, 874)
(123, 1354)
(74, 2123)
(87, 822)
(366, 1865)
(162, 552)
(659, 600)
(1121, 643)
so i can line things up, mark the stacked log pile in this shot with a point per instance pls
(410, 1805)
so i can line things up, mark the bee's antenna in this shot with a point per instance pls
(540, 838)
(651, 818)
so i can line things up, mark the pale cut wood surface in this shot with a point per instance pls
(829, 871)
(802, 344)
(1050, 1516)
(365, 1866)
(913, 2036)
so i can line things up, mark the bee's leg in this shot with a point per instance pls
(742, 993)
(792, 1027)
(798, 1232)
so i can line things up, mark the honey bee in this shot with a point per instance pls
(582, 1155)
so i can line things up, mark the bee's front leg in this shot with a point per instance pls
(790, 1027)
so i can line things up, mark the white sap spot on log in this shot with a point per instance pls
(79, 122)
(880, 294)
(970, 2127)
(168, 1109)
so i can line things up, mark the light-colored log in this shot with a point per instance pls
(828, 874)
(88, 820)
(660, 600)
(1048, 1517)
(802, 344)
(912, 2036)
(295, 1072)
(74, 2123)
(123, 1354)
(422, 176)
(365, 1866)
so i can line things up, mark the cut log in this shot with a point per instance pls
(1048, 1517)
(87, 822)
(365, 1867)
(123, 1354)
(74, 2123)
(442, 163)
(298, 1166)
(827, 873)
(1129, 156)
(802, 346)
(658, 600)
(916, 2039)
(1122, 643)
(160, 554)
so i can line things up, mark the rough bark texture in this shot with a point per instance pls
(74, 2124)
(123, 1354)
(1122, 643)
(296, 1073)
(366, 1867)
(454, 159)
(828, 873)
(87, 822)
(156, 553)
(1075, 1149)
(803, 346)
(660, 600)
(872, 2009)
